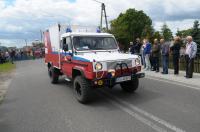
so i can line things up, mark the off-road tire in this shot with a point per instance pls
(82, 89)
(130, 86)
(54, 75)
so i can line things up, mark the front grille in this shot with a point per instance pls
(112, 65)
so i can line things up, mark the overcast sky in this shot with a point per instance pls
(23, 19)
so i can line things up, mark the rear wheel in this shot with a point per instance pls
(54, 75)
(130, 86)
(82, 89)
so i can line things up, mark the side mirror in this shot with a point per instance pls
(65, 47)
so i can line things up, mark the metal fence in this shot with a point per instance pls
(182, 63)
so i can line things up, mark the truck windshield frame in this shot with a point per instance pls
(94, 43)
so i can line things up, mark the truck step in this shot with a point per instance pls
(68, 79)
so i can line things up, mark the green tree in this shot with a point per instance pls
(157, 35)
(148, 32)
(166, 32)
(184, 33)
(131, 25)
(196, 34)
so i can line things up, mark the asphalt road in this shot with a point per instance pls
(33, 104)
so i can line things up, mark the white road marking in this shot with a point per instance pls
(137, 116)
(144, 113)
(176, 83)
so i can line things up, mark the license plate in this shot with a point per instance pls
(122, 79)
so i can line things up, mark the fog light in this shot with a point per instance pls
(112, 72)
(100, 82)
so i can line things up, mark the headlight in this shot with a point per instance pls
(137, 62)
(98, 66)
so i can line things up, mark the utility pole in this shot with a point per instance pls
(41, 36)
(103, 14)
(25, 42)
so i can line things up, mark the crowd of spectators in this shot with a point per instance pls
(19, 54)
(151, 54)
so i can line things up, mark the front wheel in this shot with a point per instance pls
(54, 75)
(82, 89)
(130, 86)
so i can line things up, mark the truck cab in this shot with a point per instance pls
(90, 60)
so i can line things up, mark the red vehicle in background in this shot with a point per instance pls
(38, 53)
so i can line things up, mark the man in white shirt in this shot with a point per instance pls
(7, 55)
(190, 54)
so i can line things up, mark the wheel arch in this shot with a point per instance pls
(77, 72)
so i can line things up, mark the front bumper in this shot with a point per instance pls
(110, 82)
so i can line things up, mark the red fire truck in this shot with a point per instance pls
(90, 60)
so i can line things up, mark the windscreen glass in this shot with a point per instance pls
(94, 43)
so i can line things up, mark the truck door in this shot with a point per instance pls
(66, 56)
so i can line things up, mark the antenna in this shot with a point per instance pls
(103, 14)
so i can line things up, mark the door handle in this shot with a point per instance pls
(68, 58)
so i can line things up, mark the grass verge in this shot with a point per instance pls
(1, 97)
(6, 67)
(5, 72)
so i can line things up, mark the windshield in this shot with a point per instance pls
(94, 43)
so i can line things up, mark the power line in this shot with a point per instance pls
(98, 1)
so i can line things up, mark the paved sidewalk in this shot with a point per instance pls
(195, 81)
(5, 79)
